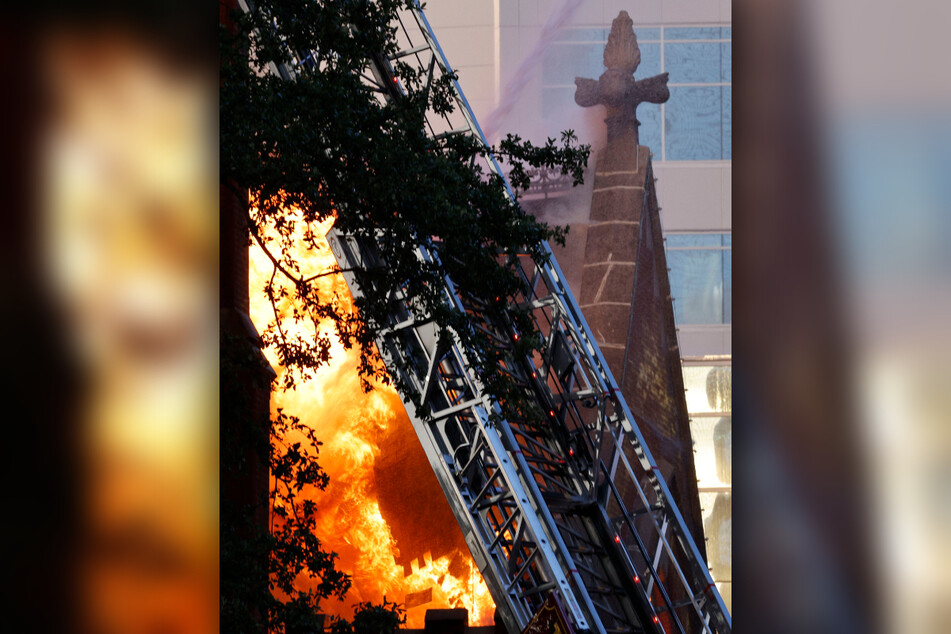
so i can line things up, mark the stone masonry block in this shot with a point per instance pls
(591, 281)
(609, 322)
(610, 241)
(619, 285)
(617, 204)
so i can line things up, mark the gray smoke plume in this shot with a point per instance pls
(529, 66)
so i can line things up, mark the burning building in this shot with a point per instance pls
(383, 512)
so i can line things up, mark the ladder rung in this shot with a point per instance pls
(409, 51)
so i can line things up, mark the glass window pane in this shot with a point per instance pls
(649, 131)
(692, 33)
(693, 123)
(644, 34)
(726, 120)
(727, 287)
(650, 61)
(564, 62)
(713, 438)
(675, 240)
(718, 530)
(726, 61)
(693, 62)
(708, 388)
(696, 284)
(693, 276)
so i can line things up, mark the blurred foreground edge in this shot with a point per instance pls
(804, 561)
(44, 388)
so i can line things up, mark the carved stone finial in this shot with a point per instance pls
(622, 52)
(616, 88)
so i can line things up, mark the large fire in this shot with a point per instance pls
(383, 513)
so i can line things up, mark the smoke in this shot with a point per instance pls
(529, 66)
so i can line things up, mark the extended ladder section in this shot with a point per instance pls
(575, 505)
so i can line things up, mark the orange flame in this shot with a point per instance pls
(363, 434)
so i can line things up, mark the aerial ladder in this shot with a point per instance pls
(575, 506)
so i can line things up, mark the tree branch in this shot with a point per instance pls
(277, 265)
(277, 317)
(335, 269)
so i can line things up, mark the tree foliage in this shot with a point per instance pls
(326, 145)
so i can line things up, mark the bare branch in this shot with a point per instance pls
(267, 252)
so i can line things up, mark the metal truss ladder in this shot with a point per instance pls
(576, 505)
